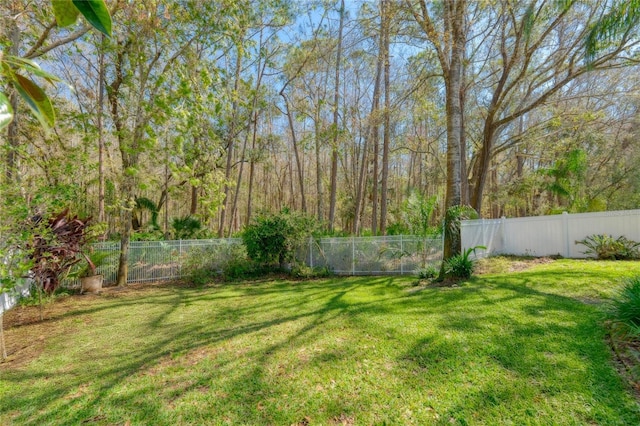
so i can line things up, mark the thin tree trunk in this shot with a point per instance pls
(319, 189)
(127, 214)
(296, 153)
(334, 145)
(374, 190)
(252, 168)
(3, 347)
(384, 6)
(371, 129)
(230, 143)
(193, 208)
(101, 195)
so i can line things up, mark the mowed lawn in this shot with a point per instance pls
(524, 347)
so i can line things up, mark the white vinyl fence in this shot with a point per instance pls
(547, 235)
(8, 299)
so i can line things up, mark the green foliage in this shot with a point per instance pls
(227, 261)
(151, 235)
(625, 308)
(417, 212)
(96, 260)
(300, 270)
(272, 239)
(605, 247)
(186, 228)
(66, 12)
(461, 266)
(452, 219)
(428, 273)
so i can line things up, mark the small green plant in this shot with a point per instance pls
(239, 268)
(186, 228)
(605, 247)
(625, 309)
(303, 271)
(428, 273)
(461, 265)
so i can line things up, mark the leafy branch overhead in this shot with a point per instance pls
(12, 68)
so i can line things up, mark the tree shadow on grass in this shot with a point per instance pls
(535, 353)
(322, 303)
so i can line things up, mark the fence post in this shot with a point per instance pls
(353, 255)
(503, 236)
(565, 231)
(401, 256)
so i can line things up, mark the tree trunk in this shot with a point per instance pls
(369, 134)
(231, 135)
(453, 81)
(334, 145)
(294, 142)
(101, 213)
(384, 6)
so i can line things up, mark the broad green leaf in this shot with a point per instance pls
(96, 12)
(66, 13)
(37, 100)
(6, 112)
(32, 67)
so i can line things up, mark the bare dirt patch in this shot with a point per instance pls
(505, 264)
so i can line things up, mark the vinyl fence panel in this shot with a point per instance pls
(548, 235)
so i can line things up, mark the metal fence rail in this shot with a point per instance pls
(166, 260)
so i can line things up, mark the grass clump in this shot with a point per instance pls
(625, 308)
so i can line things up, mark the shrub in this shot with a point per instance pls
(55, 246)
(605, 247)
(625, 309)
(273, 239)
(461, 265)
(186, 227)
(203, 265)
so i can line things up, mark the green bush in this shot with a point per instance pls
(461, 265)
(625, 309)
(605, 247)
(273, 239)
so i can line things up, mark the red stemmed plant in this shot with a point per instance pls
(56, 244)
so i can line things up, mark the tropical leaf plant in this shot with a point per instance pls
(55, 247)
(606, 247)
(12, 67)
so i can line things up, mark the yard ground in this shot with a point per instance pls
(523, 343)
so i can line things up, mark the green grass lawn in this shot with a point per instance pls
(517, 348)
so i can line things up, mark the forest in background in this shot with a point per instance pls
(221, 110)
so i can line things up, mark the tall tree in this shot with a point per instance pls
(449, 42)
(334, 145)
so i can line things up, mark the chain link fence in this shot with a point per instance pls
(166, 260)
